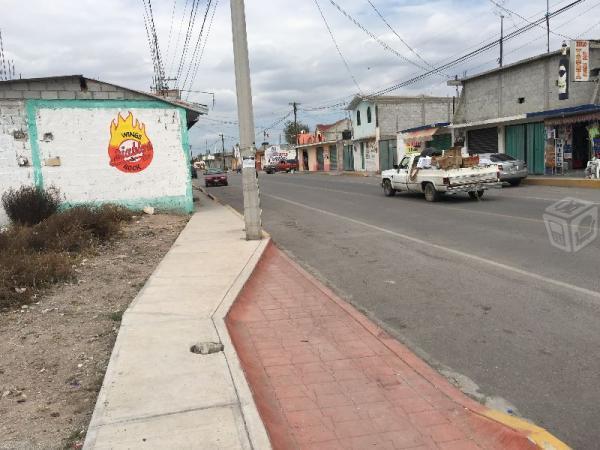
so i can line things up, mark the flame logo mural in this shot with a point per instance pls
(130, 149)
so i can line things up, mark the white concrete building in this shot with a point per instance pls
(96, 142)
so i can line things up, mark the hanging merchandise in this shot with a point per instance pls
(563, 75)
(594, 133)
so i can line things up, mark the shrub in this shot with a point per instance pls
(29, 205)
(35, 257)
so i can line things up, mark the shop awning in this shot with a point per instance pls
(420, 135)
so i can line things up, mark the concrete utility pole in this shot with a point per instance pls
(548, 26)
(223, 150)
(501, 39)
(246, 120)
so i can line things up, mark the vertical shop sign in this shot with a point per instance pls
(580, 60)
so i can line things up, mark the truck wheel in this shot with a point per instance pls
(431, 195)
(476, 195)
(388, 190)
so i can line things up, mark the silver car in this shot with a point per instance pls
(512, 170)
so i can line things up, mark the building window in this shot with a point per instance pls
(358, 118)
(369, 114)
(376, 116)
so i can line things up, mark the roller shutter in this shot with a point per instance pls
(484, 140)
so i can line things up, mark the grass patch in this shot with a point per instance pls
(34, 257)
(117, 316)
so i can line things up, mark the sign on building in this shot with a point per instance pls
(276, 153)
(580, 60)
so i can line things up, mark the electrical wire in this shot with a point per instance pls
(375, 38)
(505, 9)
(172, 63)
(413, 51)
(188, 34)
(195, 71)
(197, 46)
(337, 47)
(170, 31)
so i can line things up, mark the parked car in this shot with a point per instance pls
(511, 170)
(215, 177)
(269, 168)
(286, 165)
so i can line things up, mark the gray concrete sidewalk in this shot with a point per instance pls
(156, 392)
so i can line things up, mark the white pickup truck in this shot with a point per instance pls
(435, 182)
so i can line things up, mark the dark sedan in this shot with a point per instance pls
(215, 177)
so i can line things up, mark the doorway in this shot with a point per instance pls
(581, 146)
(320, 161)
(348, 157)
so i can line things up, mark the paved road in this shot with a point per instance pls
(475, 288)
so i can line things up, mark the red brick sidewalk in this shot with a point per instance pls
(325, 377)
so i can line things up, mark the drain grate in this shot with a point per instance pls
(206, 348)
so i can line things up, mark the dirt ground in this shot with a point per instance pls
(54, 353)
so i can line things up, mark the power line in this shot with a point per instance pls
(170, 31)
(171, 64)
(197, 46)
(504, 8)
(480, 50)
(195, 71)
(188, 34)
(414, 52)
(337, 47)
(375, 38)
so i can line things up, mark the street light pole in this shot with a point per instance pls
(246, 121)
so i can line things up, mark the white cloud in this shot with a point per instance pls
(292, 56)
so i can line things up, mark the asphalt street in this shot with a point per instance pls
(475, 288)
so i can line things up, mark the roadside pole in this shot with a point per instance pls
(246, 121)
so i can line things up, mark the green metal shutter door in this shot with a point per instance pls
(386, 157)
(441, 141)
(536, 141)
(514, 140)
(332, 157)
(348, 157)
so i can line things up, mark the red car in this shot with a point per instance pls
(215, 177)
(286, 165)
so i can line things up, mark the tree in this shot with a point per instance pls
(291, 130)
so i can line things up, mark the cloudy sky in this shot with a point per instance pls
(292, 55)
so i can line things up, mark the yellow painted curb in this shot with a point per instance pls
(563, 182)
(542, 438)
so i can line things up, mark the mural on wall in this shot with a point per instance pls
(129, 149)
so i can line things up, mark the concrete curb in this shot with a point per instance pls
(563, 182)
(539, 436)
(255, 427)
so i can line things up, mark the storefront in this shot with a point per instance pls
(571, 140)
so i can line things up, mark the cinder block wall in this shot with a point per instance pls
(410, 113)
(16, 166)
(497, 94)
(68, 88)
(34, 133)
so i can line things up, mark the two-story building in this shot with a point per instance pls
(376, 121)
(544, 110)
(323, 149)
